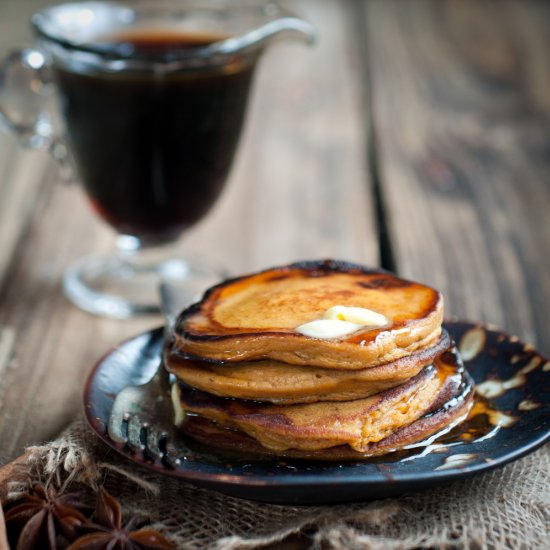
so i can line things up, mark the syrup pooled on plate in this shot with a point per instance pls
(482, 422)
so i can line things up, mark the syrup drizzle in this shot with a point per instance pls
(482, 422)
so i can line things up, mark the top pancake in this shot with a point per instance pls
(255, 317)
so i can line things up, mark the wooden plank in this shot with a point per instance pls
(461, 103)
(22, 194)
(300, 184)
(21, 171)
(7, 351)
(55, 344)
(15, 31)
(298, 191)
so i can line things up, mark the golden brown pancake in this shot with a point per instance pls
(315, 426)
(226, 423)
(255, 317)
(281, 383)
(416, 434)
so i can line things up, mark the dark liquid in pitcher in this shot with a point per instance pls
(154, 150)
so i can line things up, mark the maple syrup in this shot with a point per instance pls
(154, 148)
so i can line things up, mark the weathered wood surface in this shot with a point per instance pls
(460, 98)
(299, 190)
(461, 107)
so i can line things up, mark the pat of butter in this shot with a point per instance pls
(359, 315)
(327, 328)
(340, 321)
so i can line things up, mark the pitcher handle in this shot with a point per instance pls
(26, 89)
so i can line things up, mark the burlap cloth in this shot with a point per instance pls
(505, 508)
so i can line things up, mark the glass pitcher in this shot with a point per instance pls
(150, 99)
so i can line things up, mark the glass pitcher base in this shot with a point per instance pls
(119, 289)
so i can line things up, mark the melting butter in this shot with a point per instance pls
(358, 315)
(342, 320)
(327, 328)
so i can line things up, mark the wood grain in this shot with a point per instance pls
(300, 186)
(298, 191)
(460, 107)
(461, 104)
(22, 194)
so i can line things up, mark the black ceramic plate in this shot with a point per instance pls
(514, 375)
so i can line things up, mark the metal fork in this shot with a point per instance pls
(146, 410)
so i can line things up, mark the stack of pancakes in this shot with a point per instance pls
(250, 379)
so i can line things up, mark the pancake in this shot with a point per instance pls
(346, 431)
(315, 426)
(419, 433)
(255, 317)
(281, 383)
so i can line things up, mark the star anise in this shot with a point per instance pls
(36, 520)
(108, 532)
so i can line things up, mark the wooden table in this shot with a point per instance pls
(415, 135)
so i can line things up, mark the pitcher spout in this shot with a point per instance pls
(278, 25)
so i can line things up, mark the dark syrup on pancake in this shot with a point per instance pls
(483, 421)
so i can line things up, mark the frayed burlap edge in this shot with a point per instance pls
(507, 508)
